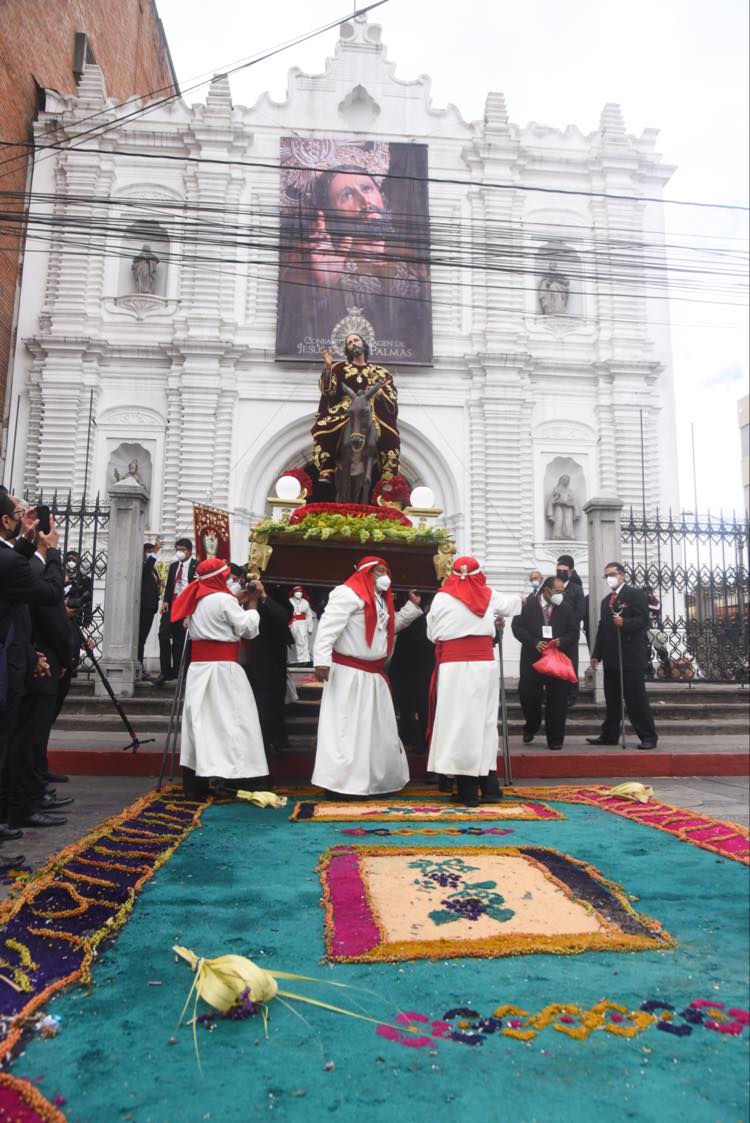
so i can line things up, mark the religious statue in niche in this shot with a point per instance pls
(131, 474)
(554, 294)
(563, 511)
(144, 269)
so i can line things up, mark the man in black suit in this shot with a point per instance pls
(545, 621)
(623, 624)
(265, 662)
(150, 591)
(19, 588)
(32, 799)
(172, 636)
(573, 595)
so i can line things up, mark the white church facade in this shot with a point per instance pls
(550, 348)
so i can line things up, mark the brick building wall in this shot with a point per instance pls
(37, 50)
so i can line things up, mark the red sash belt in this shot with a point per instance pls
(467, 649)
(212, 651)
(374, 666)
(300, 616)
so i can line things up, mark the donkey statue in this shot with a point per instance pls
(358, 448)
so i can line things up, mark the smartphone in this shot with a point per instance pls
(42, 513)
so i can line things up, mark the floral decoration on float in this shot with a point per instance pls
(393, 492)
(350, 522)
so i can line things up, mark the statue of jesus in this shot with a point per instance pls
(358, 374)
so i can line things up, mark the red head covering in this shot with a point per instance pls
(362, 583)
(211, 577)
(468, 584)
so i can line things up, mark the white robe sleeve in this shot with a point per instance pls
(243, 623)
(342, 604)
(406, 616)
(503, 605)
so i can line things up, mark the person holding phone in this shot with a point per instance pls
(19, 589)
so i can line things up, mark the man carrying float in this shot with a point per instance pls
(221, 735)
(461, 624)
(359, 752)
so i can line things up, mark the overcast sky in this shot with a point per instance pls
(680, 66)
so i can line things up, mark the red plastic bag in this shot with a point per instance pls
(556, 664)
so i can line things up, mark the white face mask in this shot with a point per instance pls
(180, 555)
(535, 583)
(235, 588)
(556, 598)
(613, 582)
(298, 596)
(383, 583)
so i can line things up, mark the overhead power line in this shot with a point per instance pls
(242, 65)
(449, 181)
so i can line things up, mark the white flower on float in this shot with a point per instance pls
(288, 488)
(422, 497)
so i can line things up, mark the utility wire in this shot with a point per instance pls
(158, 104)
(445, 181)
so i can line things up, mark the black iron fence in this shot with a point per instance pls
(82, 525)
(696, 571)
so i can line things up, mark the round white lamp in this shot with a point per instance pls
(422, 498)
(288, 488)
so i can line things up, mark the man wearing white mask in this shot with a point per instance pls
(465, 689)
(301, 626)
(545, 621)
(358, 751)
(172, 635)
(623, 624)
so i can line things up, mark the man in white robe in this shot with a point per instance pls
(221, 734)
(461, 623)
(301, 626)
(359, 752)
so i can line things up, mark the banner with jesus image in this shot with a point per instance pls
(354, 250)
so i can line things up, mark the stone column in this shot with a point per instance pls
(122, 593)
(605, 545)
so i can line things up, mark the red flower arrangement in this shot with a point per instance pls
(356, 510)
(395, 490)
(302, 478)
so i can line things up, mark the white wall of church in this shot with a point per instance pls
(188, 372)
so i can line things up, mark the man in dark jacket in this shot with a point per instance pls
(265, 661)
(409, 673)
(172, 636)
(150, 590)
(19, 588)
(31, 800)
(623, 624)
(573, 595)
(545, 621)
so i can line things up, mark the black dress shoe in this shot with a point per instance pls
(52, 804)
(41, 819)
(10, 863)
(600, 741)
(55, 778)
(528, 738)
(8, 834)
(647, 745)
(554, 747)
(469, 801)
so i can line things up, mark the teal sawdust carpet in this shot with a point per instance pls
(486, 1046)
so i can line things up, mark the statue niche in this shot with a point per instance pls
(564, 488)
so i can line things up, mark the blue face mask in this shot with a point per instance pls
(535, 584)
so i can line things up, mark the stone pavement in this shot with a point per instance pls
(98, 797)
